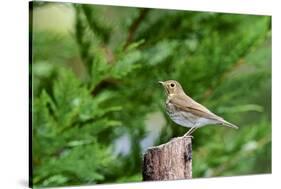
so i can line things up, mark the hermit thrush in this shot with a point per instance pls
(186, 112)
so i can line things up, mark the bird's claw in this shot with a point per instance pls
(188, 136)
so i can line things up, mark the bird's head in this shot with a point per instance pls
(172, 87)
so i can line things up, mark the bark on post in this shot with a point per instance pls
(169, 161)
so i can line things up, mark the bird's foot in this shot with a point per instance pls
(189, 132)
(188, 135)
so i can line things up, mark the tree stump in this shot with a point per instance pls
(169, 161)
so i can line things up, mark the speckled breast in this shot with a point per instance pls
(182, 118)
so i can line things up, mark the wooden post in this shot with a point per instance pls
(169, 161)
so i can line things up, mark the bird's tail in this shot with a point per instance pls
(227, 124)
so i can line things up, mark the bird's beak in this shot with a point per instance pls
(164, 86)
(161, 82)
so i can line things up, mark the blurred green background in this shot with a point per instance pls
(97, 106)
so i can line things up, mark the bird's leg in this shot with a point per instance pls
(190, 131)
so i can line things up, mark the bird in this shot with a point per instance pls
(185, 111)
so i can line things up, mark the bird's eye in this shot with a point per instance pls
(172, 84)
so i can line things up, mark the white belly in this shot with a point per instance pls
(186, 121)
(189, 120)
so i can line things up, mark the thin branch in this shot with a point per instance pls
(136, 23)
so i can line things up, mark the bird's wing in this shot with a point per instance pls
(186, 103)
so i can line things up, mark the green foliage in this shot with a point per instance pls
(58, 120)
(96, 87)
